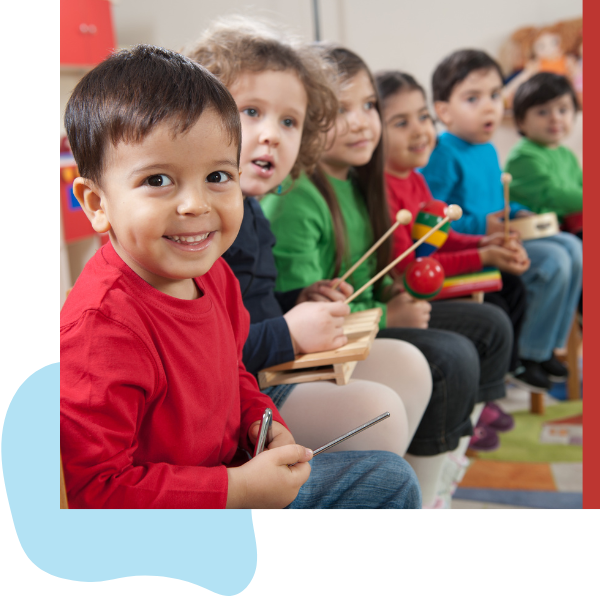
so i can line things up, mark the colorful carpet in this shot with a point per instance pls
(524, 471)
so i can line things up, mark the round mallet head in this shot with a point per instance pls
(431, 213)
(454, 212)
(403, 216)
(506, 178)
(424, 278)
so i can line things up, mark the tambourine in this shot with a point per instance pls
(536, 226)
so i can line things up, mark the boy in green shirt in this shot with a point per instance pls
(546, 177)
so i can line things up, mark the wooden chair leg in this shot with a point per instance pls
(63, 489)
(537, 403)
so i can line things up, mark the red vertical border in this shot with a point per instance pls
(591, 246)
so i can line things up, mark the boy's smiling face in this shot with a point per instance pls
(475, 107)
(172, 204)
(549, 123)
(272, 107)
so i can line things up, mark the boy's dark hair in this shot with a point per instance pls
(390, 83)
(456, 68)
(539, 89)
(132, 91)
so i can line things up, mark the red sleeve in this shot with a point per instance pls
(460, 241)
(109, 377)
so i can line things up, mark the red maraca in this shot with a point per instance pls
(424, 278)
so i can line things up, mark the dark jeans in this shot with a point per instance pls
(468, 350)
(512, 299)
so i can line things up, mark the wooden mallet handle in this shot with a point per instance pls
(403, 217)
(506, 179)
(453, 213)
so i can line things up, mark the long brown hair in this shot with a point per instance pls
(369, 178)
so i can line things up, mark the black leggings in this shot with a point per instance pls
(468, 349)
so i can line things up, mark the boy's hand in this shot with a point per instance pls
(403, 311)
(495, 224)
(317, 326)
(322, 291)
(267, 481)
(281, 435)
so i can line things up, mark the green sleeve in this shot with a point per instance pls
(298, 220)
(534, 185)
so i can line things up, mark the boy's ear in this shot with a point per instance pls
(88, 195)
(442, 110)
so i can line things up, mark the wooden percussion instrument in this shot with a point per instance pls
(360, 328)
(533, 227)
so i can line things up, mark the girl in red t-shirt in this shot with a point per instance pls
(410, 138)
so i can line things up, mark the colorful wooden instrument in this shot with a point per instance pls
(423, 278)
(488, 280)
(431, 213)
(360, 328)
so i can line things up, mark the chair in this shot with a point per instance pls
(63, 490)
(571, 358)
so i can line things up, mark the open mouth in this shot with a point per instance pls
(265, 165)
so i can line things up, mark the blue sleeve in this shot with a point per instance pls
(269, 343)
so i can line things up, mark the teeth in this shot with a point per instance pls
(262, 163)
(189, 238)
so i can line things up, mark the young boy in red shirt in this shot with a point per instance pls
(157, 409)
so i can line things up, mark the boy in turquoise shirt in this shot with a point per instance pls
(464, 170)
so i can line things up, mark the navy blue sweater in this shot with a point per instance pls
(251, 259)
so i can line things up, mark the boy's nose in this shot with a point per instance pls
(194, 204)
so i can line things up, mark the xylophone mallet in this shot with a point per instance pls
(506, 179)
(454, 212)
(403, 217)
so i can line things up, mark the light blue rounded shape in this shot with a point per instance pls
(213, 549)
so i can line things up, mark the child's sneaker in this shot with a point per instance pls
(555, 369)
(530, 376)
(493, 416)
(484, 439)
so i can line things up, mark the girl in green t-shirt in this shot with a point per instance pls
(325, 221)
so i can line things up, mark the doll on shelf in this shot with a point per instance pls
(551, 50)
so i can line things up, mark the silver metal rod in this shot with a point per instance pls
(350, 434)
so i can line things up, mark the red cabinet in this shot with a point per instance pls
(86, 32)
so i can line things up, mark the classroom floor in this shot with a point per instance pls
(524, 474)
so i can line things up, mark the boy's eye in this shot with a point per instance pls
(495, 95)
(472, 99)
(218, 177)
(401, 123)
(158, 180)
(425, 117)
(369, 105)
(251, 112)
(289, 122)
(542, 112)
